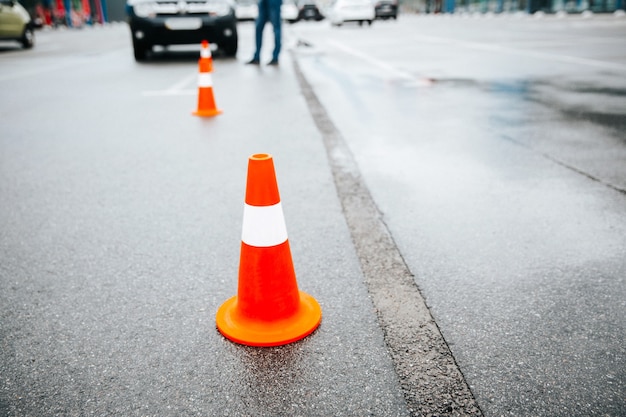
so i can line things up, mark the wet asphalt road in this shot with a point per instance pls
(495, 150)
(498, 169)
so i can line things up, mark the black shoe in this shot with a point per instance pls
(253, 62)
(273, 62)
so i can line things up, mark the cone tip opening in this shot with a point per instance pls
(261, 156)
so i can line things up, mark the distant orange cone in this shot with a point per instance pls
(268, 309)
(206, 101)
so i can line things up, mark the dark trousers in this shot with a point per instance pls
(269, 10)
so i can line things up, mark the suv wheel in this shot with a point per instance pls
(140, 50)
(230, 49)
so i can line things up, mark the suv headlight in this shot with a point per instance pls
(145, 9)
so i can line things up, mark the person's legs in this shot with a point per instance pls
(274, 17)
(259, 26)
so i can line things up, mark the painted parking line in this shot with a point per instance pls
(177, 89)
(388, 69)
(396, 73)
(36, 72)
(548, 56)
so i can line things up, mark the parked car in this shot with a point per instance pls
(309, 10)
(16, 24)
(246, 9)
(289, 11)
(360, 11)
(167, 22)
(386, 9)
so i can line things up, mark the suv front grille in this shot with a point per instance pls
(170, 8)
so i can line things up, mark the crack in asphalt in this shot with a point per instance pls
(565, 165)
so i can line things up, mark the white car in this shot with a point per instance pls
(341, 11)
(246, 9)
(289, 11)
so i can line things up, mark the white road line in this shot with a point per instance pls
(523, 52)
(35, 71)
(384, 66)
(392, 71)
(176, 89)
(169, 93)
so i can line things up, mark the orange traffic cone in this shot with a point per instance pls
(206, 101)
(268, 309)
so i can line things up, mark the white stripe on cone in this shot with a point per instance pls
(205, 53)
(205, 80)
(263, 227)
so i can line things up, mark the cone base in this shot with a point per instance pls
(207, 113)
(251, 332)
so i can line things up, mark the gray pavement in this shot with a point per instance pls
(121, 213)
(502, 183)
(120, 229)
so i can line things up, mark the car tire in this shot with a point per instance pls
(140, 51)
(369, 22)
(28, 37)
(230, 49)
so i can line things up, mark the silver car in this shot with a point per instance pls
(16, 24)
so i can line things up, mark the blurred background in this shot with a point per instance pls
(77, 13)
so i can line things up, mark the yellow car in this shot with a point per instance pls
(16, 24)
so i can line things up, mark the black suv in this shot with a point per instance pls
(178, 22)
(308, 10)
